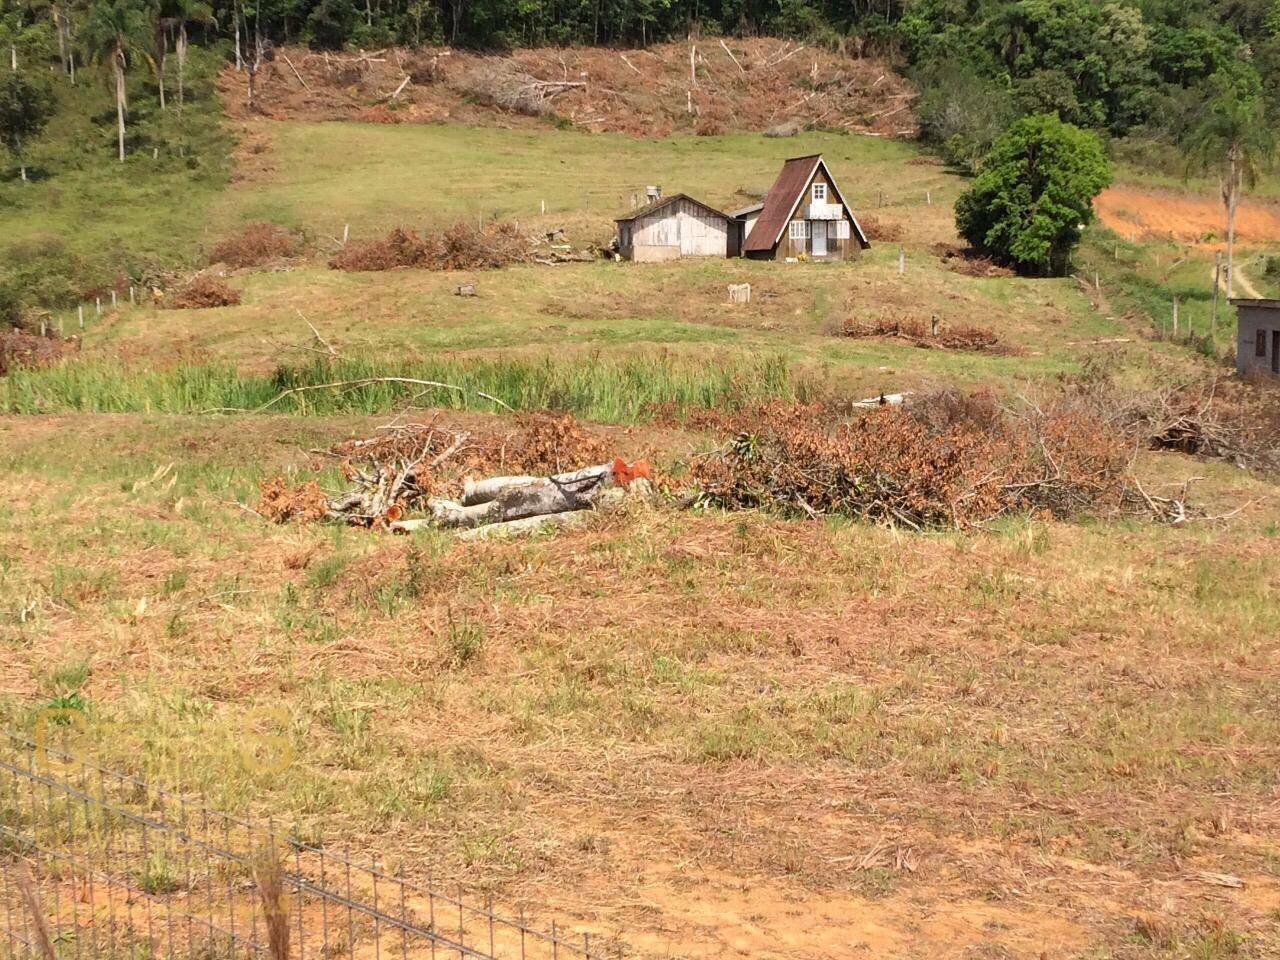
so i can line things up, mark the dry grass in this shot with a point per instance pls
(1045, 720)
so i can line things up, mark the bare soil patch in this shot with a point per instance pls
(1186, 218)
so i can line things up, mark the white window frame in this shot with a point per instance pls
(842, 229)
(819, 193)
(798, 230)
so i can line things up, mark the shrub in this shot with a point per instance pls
(18, 348)
(1033, 193)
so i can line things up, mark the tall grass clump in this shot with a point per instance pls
(597, 387)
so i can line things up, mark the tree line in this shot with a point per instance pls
(1178, 84)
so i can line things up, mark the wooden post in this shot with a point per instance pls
(544, 206)
(933, 325)
(902, 261)
(80, 311)
(1217, 282)
(928, 198)
(1097, 283)
(113, 296)
(1175, 318)
(131, 297)
(97, 301)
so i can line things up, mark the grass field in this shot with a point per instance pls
(724, 735)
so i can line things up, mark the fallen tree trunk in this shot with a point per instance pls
(502, 499)
(482, 491)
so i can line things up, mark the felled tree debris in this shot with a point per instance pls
(200, 292)
(429, 469)
(930, 333)
(1220, 420)
(946, 459)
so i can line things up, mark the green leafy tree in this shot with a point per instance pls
(1234, 138)
(115, 33)
(1033, 193)
(25, 107)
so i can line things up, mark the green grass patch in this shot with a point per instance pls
(598, 387)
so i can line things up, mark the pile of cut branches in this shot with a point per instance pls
(920, 333)
(500, 82)
(947, 459)
(255, 245)
(200, 292)
(429, 468)
(21, 348)
(1219, 420)
(460, 247)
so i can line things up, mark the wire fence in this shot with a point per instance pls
(100, 864)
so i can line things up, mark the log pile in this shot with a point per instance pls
(429, 470)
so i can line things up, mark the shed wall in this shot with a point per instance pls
(1258, 340)
(686, 228)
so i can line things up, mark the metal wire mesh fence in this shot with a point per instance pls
(100, 864)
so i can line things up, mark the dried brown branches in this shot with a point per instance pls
(924, 333)
(948, 459)
(425, 466)
(460, 247)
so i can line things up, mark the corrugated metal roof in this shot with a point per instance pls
(780, 201)
(743, 211)
(666, 201)
(786, 192)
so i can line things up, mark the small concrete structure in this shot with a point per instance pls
(1258, 339)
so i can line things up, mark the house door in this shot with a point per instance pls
(1275, 351)
(819, 233)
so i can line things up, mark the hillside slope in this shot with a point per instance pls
(707, 86)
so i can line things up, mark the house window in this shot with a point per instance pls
(819, 193)
(799, 230)
(1260, 346)
(842, 229)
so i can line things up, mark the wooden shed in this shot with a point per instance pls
(1258, 337)
(674, 226)
(804, 214)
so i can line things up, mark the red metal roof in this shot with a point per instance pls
(780, 203)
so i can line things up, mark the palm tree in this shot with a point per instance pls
(178, 13)
(1234, 138)
(114, 32)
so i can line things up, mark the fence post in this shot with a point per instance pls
(1217, 282)
(902, 261)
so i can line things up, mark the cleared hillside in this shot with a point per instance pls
(706, 86)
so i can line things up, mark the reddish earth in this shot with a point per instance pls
(1186, 218)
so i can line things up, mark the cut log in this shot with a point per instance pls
(526, 525)
(482, 491)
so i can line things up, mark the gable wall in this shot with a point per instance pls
(836, 249)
